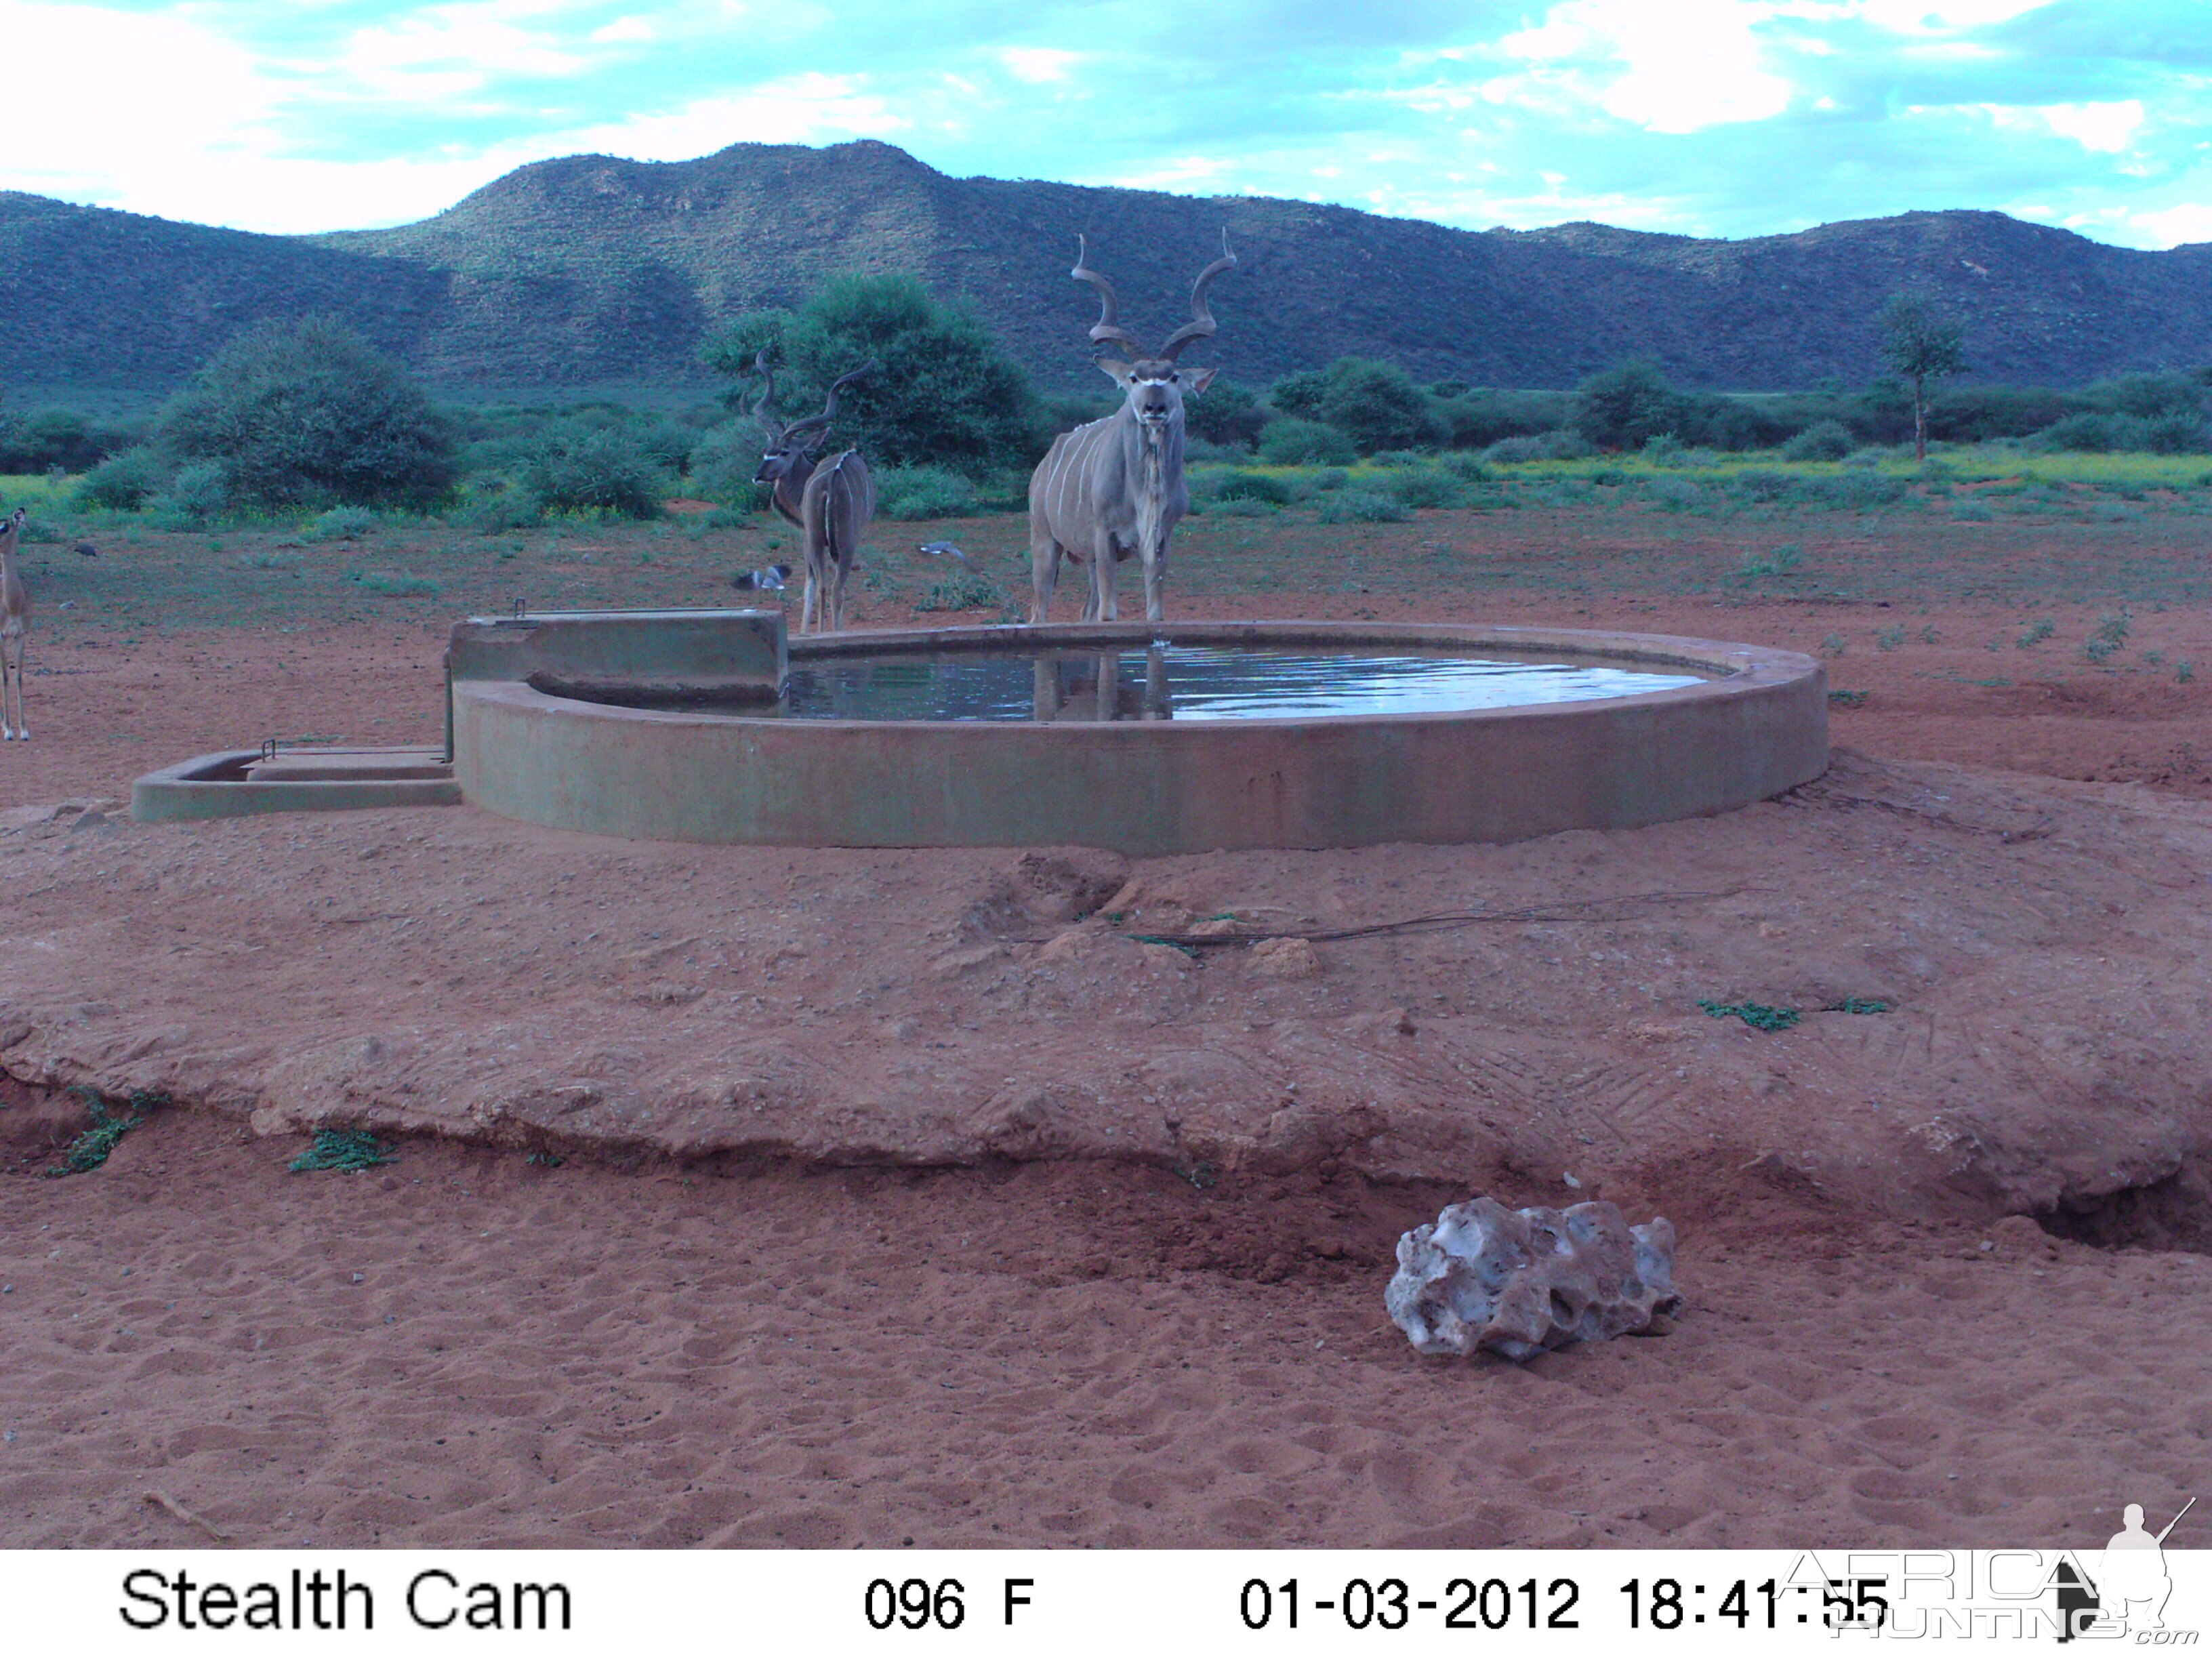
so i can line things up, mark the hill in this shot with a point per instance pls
(590, 270)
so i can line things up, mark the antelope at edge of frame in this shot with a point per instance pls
(831, 502)
(1114, 488)
(15, 615)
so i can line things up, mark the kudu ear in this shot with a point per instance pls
(1115, 370)
(1195, 380)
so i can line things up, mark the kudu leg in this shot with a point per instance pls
(1044, 571)
(11, 683)
(1102, 572)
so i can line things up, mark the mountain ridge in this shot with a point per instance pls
(587, 269)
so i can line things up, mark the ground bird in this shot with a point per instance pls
(946, 550)
(830, 503)
(765, 579)
(14, 617)
(1114, 490)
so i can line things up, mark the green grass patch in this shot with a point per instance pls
(1757, 1015)
(350, 1150)
(108, 1126)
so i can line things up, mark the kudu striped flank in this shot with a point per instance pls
(1114, 490)
(831, 502)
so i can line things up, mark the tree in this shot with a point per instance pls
(944, 390)
(306, 413)
(1379, 406)
(1625, 406)
(1376, 405)
(1921, 346)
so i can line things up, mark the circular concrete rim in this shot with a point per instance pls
(1759, 726)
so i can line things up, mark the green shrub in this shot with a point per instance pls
(1464, 465)
(963, 593)
(1362, 507)
(668, 445)
(492, 505)
(1973, 512)
(123, 482)
(1253, 487)
(196, 494)
(944, 391)
(341, 524)
(1675, 495)
(575, 467)
(306, 413)
(1564, 445)
(922, 492)
(1424, 486)
(1762, 484)
(1293, 442)
(1826, 440)
(350, 1150)
(1242, 507)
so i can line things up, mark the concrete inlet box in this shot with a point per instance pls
(734, 657)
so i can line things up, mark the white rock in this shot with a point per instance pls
(1519, 1281)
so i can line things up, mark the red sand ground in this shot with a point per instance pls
(468, 1348)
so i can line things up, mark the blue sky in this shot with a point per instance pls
(1713, 117)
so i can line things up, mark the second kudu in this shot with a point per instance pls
(1114, 490)
(830, 502)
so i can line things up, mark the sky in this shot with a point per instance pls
(1707, 118)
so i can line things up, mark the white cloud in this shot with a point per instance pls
(165, 94)
(1039, 65)
(2103, 128)
(2191, 222)
(439, 52)
(1672, 69)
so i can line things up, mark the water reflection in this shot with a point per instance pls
(1166, 681)
(1090, 685)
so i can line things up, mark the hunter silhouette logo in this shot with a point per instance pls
(2130, 1586)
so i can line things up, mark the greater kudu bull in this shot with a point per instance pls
(1114, 488)
(831, 503)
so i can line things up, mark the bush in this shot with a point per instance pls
(1625, 405)
(494, 503)
(1561, 446)
(1469, 467)
(1242, 507)
(306, 413)
(1763, 484)
(945, 392)
(341, 524)
(1362, 507)
(1227, 414)
(1424, 486)
(2094, 435)
(576, 467)
(54, 438)
(123, 482)
(1377, 406)
(196, 494)
(922, 492)
(668, 445)
(1293, 442)
(1830, 440)
(1253, 487)
(2176, 434)
(963, 594)
(1675, 495)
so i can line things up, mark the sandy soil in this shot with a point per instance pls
(1134, 1295)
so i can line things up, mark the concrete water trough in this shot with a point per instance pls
(711, 726)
